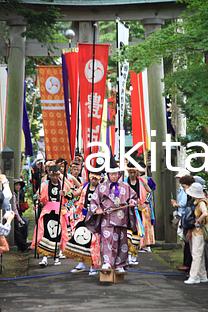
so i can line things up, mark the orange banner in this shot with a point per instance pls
(53, 112)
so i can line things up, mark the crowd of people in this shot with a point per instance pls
(192, 214)
(107, 234)
(103, 220)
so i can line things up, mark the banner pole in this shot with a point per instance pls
(118, 88)
(78, 149)
(38, 209)
(59, 215)
(93, 80)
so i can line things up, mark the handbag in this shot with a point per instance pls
(205, 231)
(23, 206)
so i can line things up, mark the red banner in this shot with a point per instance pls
(71, 59)
(138, 112)
(85, 77)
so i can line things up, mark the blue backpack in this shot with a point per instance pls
(188, 219)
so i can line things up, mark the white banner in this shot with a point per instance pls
(3, 95)
(123, 68)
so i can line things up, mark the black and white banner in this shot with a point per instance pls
(123, 68)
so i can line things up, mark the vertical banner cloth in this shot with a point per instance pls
(146, 108)
(85, 78)
(123, 68)
(72, 67)
(26, 128)
(140, 112)
(53, 112)
(3, 92)
(104, 124)
(112, 120)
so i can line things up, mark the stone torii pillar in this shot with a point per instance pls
(84, 32)
(158, 123)
(15, 93)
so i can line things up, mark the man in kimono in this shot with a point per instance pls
(85, 250)
(107, 217)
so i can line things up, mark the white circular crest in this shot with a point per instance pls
(100, 161)
(112, 196)
(106, 234)
(118, 260)
(104, 222)
(82, 235)
(115, 237)
(106, 258)
(52, 85)
(122, 191)
(102, 188)
(52, 228)
(94, 196)
(120, 214)
(54, 190)
(117, 201)
(124, 248)
(98, 71)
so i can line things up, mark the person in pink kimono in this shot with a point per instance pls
(51, 192)
(107, 217)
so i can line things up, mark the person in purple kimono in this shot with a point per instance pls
(105, 217)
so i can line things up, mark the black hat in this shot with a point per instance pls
(99, 163)
(113, 165)
(54, 169)
(130, 166)
(20, 181)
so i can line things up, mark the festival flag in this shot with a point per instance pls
(26, 128)
(146, 108)
(111, 120)
(92, 106)
(140, 110)
(104, 123)
(71, 80)
(66, 95)
(53, 112)
(123, 68)
(3, 93)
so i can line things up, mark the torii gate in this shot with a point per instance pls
(152, 13)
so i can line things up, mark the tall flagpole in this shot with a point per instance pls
(93, 80)
(59, 215)
(78, 121)
(118, 87)
(69, 34)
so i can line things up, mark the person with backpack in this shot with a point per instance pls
(5, 193)
(5, 228)
(198, 272)
(187, 222)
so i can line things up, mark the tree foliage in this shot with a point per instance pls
(185, 43)
(43, 26)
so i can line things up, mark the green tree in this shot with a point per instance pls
(185, 43)
(43, 26)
